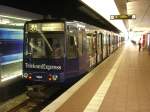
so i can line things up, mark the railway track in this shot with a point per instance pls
(25, 106)
(24, 103)
(36, 104)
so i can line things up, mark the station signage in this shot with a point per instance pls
(114, 17)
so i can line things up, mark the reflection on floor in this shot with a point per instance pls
(10, 71)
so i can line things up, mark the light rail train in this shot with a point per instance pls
(58, 50)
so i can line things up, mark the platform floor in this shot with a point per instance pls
(127, 71)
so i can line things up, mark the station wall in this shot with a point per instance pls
(11, 48)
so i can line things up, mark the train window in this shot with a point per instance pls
(91, 40)
(99, 43)
(84, 45)
(45, 45)
(57, 47)
(94, 43)
(71, 40)
(90, 45)
(37, 47)
(104, 45)
(72, 46)
(80, 38)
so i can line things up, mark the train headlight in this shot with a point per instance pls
(55, 77)
(30, 76)
(50, 77)
(25, 75)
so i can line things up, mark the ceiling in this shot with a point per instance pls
(122, 7)
(69, 9)
(141, 8)
(74, 9)
(12, 17)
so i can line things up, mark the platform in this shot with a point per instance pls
(119, 84)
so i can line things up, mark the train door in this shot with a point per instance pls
(94, 46)
(71, 61)
(109, 45)
(99, 47)
(91, 48)
(82, 51)
(104, 41)
(115, 42)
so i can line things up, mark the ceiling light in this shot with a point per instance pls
(12, 17)
(106, 8)
(15, 75)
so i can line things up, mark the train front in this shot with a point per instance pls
(43, 58)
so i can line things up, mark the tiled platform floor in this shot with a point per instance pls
(129, 90)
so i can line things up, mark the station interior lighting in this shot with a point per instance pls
(13, 17)
(106, 8)
(15, 75)
(7, 20)
(12, 20)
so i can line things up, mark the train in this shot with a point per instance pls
(55, 51)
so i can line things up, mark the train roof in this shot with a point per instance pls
(70, 22)
(45, 20)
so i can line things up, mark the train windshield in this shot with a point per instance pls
(45, 45)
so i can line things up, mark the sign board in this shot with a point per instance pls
(35, 27)
(114, 17)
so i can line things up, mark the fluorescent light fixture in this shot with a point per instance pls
(17, 24)
(12, 17)
(10, 20)
(10, 62)
(11, 77)
(106, 8)
(15, 75)
(4, 21)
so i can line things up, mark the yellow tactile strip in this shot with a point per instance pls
(97, 99)
(78, 96)
(130, 91)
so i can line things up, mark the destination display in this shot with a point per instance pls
(45, 27)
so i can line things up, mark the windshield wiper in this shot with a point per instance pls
(45, 39)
